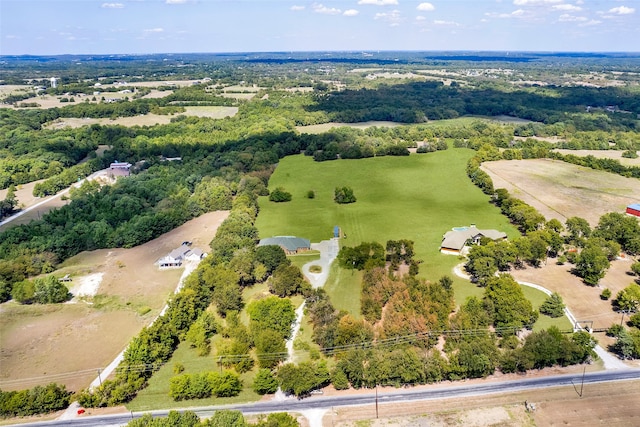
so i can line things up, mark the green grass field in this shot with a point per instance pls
(156, 394)
(418, 197)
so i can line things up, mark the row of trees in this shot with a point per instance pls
(38, 400)
(220, 418)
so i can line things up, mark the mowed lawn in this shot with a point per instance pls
(417, 197)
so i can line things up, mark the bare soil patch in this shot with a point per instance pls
(613, 404)
(215, 112)
(602, 154)
(561, 190)
(584, 301)
(315, 129)
(68, 343)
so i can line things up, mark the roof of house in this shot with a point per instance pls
(635, 206)
(120, 165)
(455, 239)
(290, 243)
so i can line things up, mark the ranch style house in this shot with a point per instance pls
(455, 240)
(291, 245)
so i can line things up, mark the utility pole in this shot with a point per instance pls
(376, 400)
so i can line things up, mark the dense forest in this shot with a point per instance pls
(226, 164)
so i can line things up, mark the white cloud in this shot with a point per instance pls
(320, 8)
(154, 30)
(534, 2)
(441, 22)
(425, 7)
(379, 2)
(175, 1)
(350, 12)
(297, 8)
(112, 5)
(12, 37)
(565, 17)
(515, 14)
(420, 18)
(393, 17)
(590, 23)
(579, 1)
(622, 10)
(567, 7)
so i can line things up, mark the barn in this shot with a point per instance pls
(634, 209)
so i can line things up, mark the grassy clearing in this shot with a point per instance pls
(544, 322)
(418, 197)
(302, 259)
(343, 286)
(156, 394)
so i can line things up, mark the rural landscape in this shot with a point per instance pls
(306, 239)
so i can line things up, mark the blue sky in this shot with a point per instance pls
(46, 27)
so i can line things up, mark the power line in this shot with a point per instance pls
(273, 356)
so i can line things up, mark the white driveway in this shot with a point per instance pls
(328, 252)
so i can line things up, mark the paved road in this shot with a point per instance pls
(400, 395)
(61, 193)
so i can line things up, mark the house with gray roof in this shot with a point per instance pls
(455, 240)
(291, 245)
(176, 257)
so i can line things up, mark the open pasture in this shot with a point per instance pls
(418, 197)
(214, 112)
(602, 154)
(323, 127)
(67, 343)
(561, 190)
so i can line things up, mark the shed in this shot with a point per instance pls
(633, 209)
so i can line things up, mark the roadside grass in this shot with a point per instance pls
(156, 394)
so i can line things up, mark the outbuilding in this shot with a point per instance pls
(634, 209)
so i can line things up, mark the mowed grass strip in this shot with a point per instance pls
(417, 197)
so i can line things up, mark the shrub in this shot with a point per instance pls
(280, 195)
(38, 400)
(265, 382)
(614, 330)
(339, 379)
(205, 384)
(553, 306)
(635, 320)
(344, 195)
(311, 194)
(606, 294)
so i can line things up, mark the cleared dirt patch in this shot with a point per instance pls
(314, 129)
(215, 112)
(583, 301)
(613, 404)
(561, 190)
(602, 154)
(68, 343)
